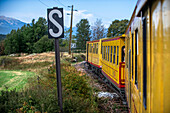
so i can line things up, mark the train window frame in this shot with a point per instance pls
(108, 53)
(114, 55)
(144, 21)
(117, 55)
(136, 57)
(111, 53)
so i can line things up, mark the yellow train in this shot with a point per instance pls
(143, 70)
(106, 58)
(147, 44)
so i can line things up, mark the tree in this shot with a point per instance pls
(117, 28)
(83, 33)
(2, 48)
(44, 45)
(23, 40)
(98, 30)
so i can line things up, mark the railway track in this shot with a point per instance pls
(105, 81)
(105, 86)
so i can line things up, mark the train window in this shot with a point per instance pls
(108, 52)
(136, 57)
(117, 55)
(144, 62)
(101, 49)
(97, 48)
(123, 54)
(104, 52)
(111, 54)
(114, 54)
(132, 56)
(90, 48)
(94, 48)
(129, 62)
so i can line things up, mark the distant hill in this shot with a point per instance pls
(7, 24)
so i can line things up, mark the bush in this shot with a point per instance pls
(43, 45)
(41, 96)
(80, 57)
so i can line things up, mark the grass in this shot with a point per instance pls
(14, 79)
(42, 96)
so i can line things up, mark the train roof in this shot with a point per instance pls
(113, 38)
(139, 5)
(93, 41)
(107, 39)
(96, 40)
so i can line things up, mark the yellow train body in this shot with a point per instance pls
(113, 60)
(147, 61)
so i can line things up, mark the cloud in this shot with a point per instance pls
(83, 14)
(77, 16)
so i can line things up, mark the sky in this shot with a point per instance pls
(106, 10)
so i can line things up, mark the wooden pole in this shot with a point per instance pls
(71, 30)
(58, 74)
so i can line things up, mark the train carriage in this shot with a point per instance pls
(147, 72)
(112, 61)
(93, 55)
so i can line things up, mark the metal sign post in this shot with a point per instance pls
(56, 30)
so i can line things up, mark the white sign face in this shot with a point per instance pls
(55, 23)
(73, 45)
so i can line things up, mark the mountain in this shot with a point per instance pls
(7, 24)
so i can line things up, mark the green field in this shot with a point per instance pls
(14, 79)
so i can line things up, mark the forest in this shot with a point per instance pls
(33, 37)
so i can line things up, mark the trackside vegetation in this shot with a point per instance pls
(40, 95)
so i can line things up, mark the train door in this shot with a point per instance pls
(129, 71)
(146, 50)
(136, 67)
